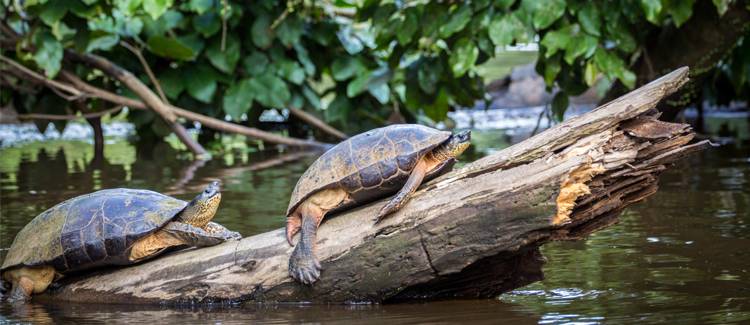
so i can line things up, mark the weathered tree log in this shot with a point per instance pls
(474, 232)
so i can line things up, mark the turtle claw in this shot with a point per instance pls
(304, 267)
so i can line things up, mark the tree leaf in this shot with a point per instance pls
(128, 7)
(156, 8)
(504, 4)
(582, 44)
(170, 48)
(292, 71)
(261, 31)
(102, 42)
(559, 105)
(337, 110)
(290, 30)
(351, 44)
(428, 75)
(590, 73)
(557, 40)
(239, 98)
(270, 90)
(380, 91)
(464, 55)
(438, 109)
(681, 11)
(504, 28)
(544, 12)
(408, 27)
(53, 11)
(358, 85)
(255, 63)
(304, 58)
(172, 83)
(202, 83)
(589, 19)
(227, 59)
(312, 97)
(346, 67)
(722, 6)
(457, 21)
(551, 69)
(652, 9)
(200, 6)
(207, 23)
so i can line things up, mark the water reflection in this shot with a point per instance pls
(680, 257)
(474, 312)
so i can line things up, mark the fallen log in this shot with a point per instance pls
(474, 232)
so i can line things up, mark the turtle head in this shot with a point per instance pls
(458, 143)
(203, 207)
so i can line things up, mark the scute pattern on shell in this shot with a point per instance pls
(369, 163)
(91, 230)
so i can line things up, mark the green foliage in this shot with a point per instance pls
(232, 58)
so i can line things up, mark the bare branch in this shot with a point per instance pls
(206, 121)
(139, 54)
(74, 93)
(57, 117)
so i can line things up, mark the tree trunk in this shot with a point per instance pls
(474, 232)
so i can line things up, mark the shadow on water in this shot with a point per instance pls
(680, 256)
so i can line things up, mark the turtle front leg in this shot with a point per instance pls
(303, 264)
(412, 184)
(196, 237)
(217, 229)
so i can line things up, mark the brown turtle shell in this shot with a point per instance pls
(370, 165)
(91, 230)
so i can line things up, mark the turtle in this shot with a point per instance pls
(109, 227)
(359, 170)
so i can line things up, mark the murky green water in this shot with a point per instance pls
(683, 256)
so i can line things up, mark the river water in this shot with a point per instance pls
(682, 256)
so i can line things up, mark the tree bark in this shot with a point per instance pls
(474, 232)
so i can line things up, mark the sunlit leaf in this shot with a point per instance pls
(589, 19)
(464, 55)
(457, 21)
(358, 84)
(156, 8)
(652, 9)
(544, 12)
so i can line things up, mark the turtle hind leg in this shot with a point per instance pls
(303, 265)
(29, 280)
(398, 201)
(293, 224)
(22, 289)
